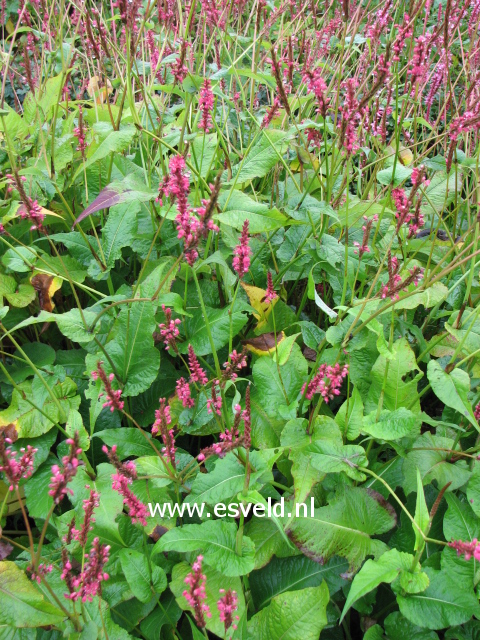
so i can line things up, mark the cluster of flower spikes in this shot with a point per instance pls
(367, 227)
(231, 439)
(404, 203)
(161, 425)
(327, 382)
(196, 597)
(126, 473)
(395, 282)
(15, 468)
(88, 583)
(190, 227)
(113, 396)
(62, 475)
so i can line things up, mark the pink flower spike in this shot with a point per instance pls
(271, 294)
(227, 605)
(197, 374)
(162, 420)
(196, 595)
(61, 476)
(184, 393)
(242, 253)
(113, 396)
(14, 469)
(205, 104)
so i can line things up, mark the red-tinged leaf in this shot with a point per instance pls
(117, 193)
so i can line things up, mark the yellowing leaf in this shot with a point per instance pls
(256, 297)
(101, 93)
(46, 286)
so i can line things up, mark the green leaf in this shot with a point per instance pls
(18, 295)
(204, 148)
(132, 351)
(389, 176)
(114, 142)
(72, 325)
(21, 604)
(397, 391)
(274, 385)
(374, 572)
(262, 157)
(118, 230)
(240, 207)
(391, 425)
(227, 479)
(422, 516)
(344, 527)
(216, 540)
(350, 415)
(330, 457)
(444, 604)
(29, 421)
(292, 574)
(452, 389)
(136, 570)
(129, 441)
(399, 628)
(430, 455)
(167, 614)
(219, 321)
(292, 615)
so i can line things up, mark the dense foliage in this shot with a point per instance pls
(239, 267)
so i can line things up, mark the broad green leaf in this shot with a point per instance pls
(391, 425)
(428, 298)
(350, 415)
(399, 628)
(305, 475)
(430, 454)
(344, 528)
(292, 615)
(215, 539)
(397, 392)
(240, 207)
(118, 230)
(452, 389)
(219, 321)
(292, 574)
(227, 479)
(136, 570)
(394, 176)
(21, 603)
(262, 157)
(26, 416)
(469, 331)
(204, 148)
(110, 501)
(132, 350)
(330, 457)
(114, 142)
(129, 441)
(167, 614)
(75, 325)
(267, 539)
(274, 385)
(18, 295)
(445, 603)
